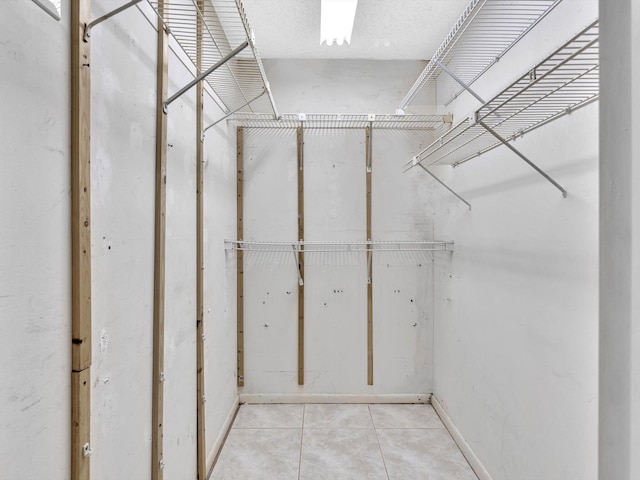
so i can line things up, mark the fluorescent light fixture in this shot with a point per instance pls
(336, 21)
(52, 7)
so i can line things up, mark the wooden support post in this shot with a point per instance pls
(369, 264)
(80, 242)
(157, 408)
(200, 380)
(80, 423)
(240, 257)
(301, 256)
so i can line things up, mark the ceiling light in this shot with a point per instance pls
(336, 21)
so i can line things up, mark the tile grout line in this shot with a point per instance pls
(304, 408)
(375, 429)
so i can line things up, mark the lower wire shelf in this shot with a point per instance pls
(340, 246)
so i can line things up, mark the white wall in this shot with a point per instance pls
(35, 252)
(516, 334)
(336, 283)
(219, 282)
(35, 266)
(635, 219)
(619, 229)
(635, 398)
(341, 86)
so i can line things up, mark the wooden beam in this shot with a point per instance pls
(240, 257)
(80, 240)
(201, 455)
(157, 408)
(301, 256)
(80, 423)
(370, 264)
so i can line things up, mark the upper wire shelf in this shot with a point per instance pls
(485, 31)
(337, 246)
(339, 120)
(566, 80)
(241, 81)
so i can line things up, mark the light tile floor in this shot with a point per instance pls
(340, 442)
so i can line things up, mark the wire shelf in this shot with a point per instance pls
(335, 246)
(224, 27)
(565, 81)
(337, 120)
(485, 31)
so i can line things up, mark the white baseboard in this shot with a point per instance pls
(464, 447)
(334, 398)
(217, 445)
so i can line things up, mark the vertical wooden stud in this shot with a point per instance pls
(200, 380)
(80, 423)
(240, 257)
(157, 408)
(201, 437)
(370, 264)
(80, 241)
(301, 256)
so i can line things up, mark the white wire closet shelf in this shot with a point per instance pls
(241, 82)
(563, 82)
(485, 31)
(340, 120)
(338, 246)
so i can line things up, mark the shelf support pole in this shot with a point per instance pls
(300, 150)
(204, 75)
(107, 16)
(444, 184)
(517, 152)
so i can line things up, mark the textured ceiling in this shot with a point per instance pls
(383, 29)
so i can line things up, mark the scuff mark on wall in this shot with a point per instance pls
(104, 340)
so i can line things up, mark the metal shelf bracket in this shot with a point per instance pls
(459, 81)
(106, 16)
(444, 184)
(204, 75)
(235, 111)
(518, 153)
(296, 256)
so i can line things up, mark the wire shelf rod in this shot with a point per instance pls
(106, 16)
(340, 121)
(339, 246)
